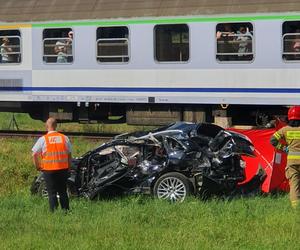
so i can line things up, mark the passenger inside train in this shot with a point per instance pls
(291, 41)
(234, 42)
(10, 51)
(58, 46)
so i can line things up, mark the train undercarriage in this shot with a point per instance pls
(150, 114)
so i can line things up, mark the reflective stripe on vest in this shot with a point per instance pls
(277, 135)
(56, 156)
(55, 153)
(293, 155)
(55, 161)
(295, 204)
(279, 146)
(293, 135)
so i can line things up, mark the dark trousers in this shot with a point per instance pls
(56, 183)
(292, 173)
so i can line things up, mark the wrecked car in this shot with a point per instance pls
(170, 163)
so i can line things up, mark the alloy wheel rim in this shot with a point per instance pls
(44, 193)
(171, 188)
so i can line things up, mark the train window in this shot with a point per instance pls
(291, 41)
(58, 46)
(171, 43)
(112, 44)
(234, 42)
(10, 49)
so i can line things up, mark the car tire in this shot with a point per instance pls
(173, 186)
(39, 188)
(34, 188)
(42, 189)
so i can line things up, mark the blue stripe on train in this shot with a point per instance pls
(147, 89)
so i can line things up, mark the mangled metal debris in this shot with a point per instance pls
(170, 163)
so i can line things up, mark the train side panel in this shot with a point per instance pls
(202, 80)
(16, 79)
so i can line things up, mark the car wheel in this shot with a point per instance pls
(34, 186)
(172, 186)
(43, 192)
(38, 187)
(42, 189)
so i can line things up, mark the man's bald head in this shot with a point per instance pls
(51, 124)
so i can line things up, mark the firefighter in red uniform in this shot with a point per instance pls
(52, 155)
(288, 139)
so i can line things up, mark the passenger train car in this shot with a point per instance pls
(150, 62)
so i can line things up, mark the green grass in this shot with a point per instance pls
(134, 222)
(26, 123)
(16, 163)
(144, 223)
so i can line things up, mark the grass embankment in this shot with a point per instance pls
(24, 122)
(141, 223)
(16, 168)
(134, 222)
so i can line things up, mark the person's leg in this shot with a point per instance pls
(52, 194)
(293, 175)
(62, 178)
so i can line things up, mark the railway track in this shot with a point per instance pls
(34, 134)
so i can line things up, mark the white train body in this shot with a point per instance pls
(201, 80)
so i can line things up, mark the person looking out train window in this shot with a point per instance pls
(69, 48)
(6, 51)
(234, 42)
(58, 46)
(225, 37)
(291, 41)
(227, 33)
(244, 37)
(296, 45)
(61, 50)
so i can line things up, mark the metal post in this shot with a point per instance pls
(13, 123)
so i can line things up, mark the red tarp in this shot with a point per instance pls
(271, 160)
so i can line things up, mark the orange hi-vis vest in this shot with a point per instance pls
(56, 155)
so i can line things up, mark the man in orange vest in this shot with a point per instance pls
(52, 155)
(288, 139)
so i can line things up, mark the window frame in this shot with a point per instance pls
(282, 41)
(128, 48)
(21, 47)
(73, 45)
(253, 45)
(154, 45)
